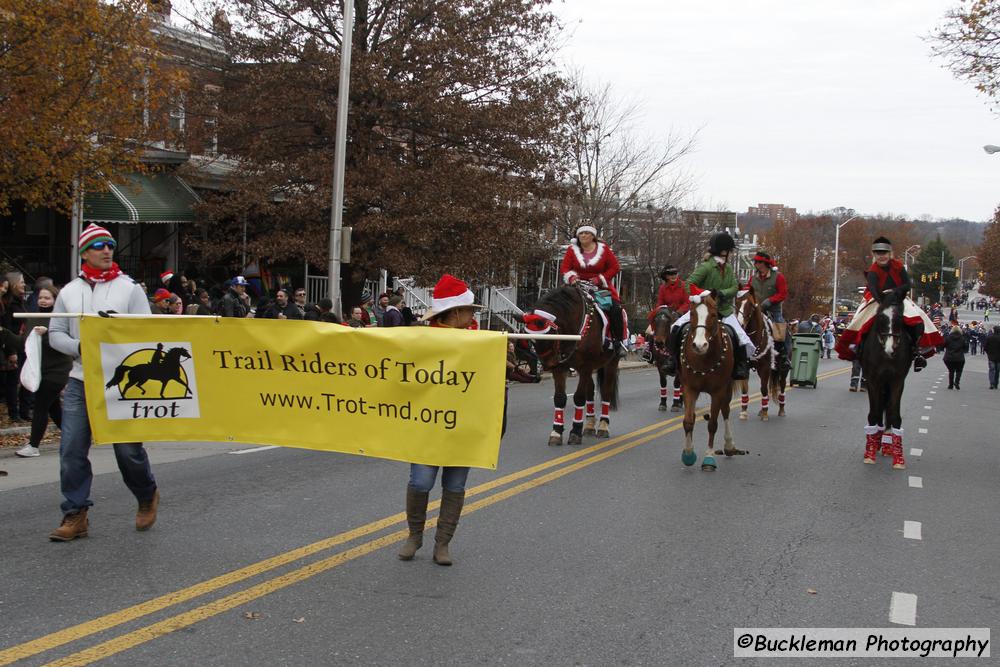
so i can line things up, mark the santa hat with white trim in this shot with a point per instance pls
(166, 275)
(92, 234)
(450, 292)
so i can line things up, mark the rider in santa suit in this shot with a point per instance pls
(887, 274)
(715, 273)
(590, 259)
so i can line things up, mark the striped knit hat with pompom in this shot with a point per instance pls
(92, 234)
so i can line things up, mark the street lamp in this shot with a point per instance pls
(836, 262)
(906, 253)
(961, 268)
(991, 149)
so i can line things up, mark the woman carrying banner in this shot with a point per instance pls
(452, 307)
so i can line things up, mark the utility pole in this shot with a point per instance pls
(941, 281)
(337, 212)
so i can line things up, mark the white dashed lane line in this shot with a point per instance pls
(916, 482)
(916, 452)
(925, 418)
(255, 449)
(921, 431)
(911, 530)
(903, 609)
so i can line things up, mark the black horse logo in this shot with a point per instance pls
(162, 370)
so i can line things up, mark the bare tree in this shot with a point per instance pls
(614, 170)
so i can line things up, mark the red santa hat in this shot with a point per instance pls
(450, 292)
(167, 275)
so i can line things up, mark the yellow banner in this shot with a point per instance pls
(417, 394)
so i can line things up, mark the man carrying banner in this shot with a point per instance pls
(101, 286)
(452, 307)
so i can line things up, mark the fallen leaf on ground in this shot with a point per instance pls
(299, 620)
(251, 615)
(811, 591)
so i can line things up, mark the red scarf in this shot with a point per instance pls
(92, 275)
(893, 269)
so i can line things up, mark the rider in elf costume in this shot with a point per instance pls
(590, 259)
(885, 275)
(715, 273)
(770, 289)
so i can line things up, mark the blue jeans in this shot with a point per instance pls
(452, 478)
(75, 475)
(994, 373)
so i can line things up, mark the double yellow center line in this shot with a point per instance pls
(565, 465)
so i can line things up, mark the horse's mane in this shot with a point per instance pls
(562, 297)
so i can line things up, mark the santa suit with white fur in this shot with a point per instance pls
(599, 267)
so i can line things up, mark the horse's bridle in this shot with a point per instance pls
(556, 348)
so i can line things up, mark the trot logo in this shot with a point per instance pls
(149, 380)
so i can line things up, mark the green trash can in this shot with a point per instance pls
(806, 351)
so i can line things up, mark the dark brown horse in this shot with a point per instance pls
(570, 310)
(706, 366)
(661, 320)
(758, 328)
(886, 353)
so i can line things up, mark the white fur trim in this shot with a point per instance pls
(543, 313)
(585, 228)
(593, 260)
(604, 281)
(872, 430)
(695, 298)
(467, 298)
(897, 431)
(570, 274)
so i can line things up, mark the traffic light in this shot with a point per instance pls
(923, 277)
(956, 273)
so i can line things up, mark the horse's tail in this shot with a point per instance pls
(118, 376)
(612, 397)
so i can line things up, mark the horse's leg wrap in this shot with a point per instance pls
(764, 400)
(558, 420)
(577, 419)
(744, 400)
(898, 461)
(590, 408)
(873, 434)
(886, 443)
(781, 399)
(605, 411)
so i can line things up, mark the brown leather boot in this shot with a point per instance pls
(73, 526)
(146, 516)
(451, 510)
(416, 517)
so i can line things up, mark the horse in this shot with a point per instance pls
(758, 328)
(886, 353)
(662, 320)
(165, 371)
(568, 309)
(706, 366)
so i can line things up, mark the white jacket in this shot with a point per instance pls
(121, 295)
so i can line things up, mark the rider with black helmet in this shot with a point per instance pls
(715, 273)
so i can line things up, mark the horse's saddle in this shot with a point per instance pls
(601, 297)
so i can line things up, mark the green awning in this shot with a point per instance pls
(142, 198)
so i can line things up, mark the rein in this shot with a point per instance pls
(724, 343)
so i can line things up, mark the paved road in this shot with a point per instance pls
(613, 553)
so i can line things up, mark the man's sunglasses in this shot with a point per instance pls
(101, 245)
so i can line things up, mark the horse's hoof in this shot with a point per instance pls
(574, 439)
(555, 440)
(735, 452)
(590, 430)
(869, 461)
(675, 408)
(688, 458)
(708, 464)
(899, 466)
(781, 412)
(603, 433)
(764, 417)
(663, 407)
(743, 416)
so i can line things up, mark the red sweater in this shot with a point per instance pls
(674, 295)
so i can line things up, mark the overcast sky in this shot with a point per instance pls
(808, 103)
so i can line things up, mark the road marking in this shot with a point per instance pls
(113, 619)
(925, 418)
(921, 430)
(916, 482)
(929, 398)
(255, 449)
(933, 392)
(928, 407)
(903, 609)
(911, 530)
(916, 452)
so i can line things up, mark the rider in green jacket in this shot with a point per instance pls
(715, 273)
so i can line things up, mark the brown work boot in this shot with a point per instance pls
(73, 526)
(416, 517)
(146, 516)
(451, 510)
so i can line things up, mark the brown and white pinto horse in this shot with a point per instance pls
(706, 366)
(758, 328)
(660, 320)
(569, 310)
